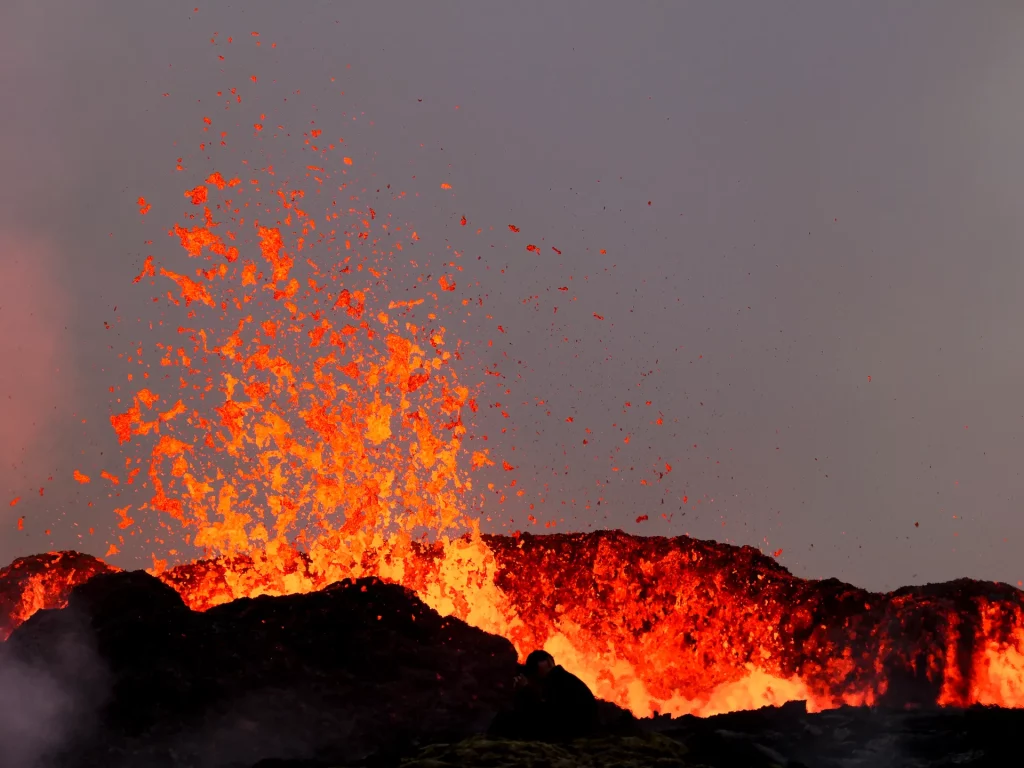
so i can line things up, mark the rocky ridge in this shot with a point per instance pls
(364, 674)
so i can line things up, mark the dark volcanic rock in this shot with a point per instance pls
(853, 737)
(364, 674)
(688, 616)
(641, 751)
(355, 669)
(784, 737)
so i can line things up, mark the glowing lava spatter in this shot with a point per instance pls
(294, 402)
(298, 425)
(668, 625)
(316, 434)
(306, 428)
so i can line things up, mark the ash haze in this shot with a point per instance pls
(811, 213)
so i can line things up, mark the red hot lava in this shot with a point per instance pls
(659, 625)
(302, 425)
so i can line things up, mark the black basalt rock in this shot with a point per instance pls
(355, 669)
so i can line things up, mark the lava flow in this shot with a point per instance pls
(658, 625)
(299, 425)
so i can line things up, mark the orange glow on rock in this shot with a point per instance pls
(674, 626)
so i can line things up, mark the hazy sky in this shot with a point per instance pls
(834, 195)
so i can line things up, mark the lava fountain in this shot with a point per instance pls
(298, 424)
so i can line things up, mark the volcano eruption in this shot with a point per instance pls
(304, 415)
(674, 626)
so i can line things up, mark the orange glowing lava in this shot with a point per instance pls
(299, 421)
(309, 428)
(313, 432)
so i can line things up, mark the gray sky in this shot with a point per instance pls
(833, 194)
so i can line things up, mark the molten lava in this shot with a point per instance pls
(659, 625)
(299, 419)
